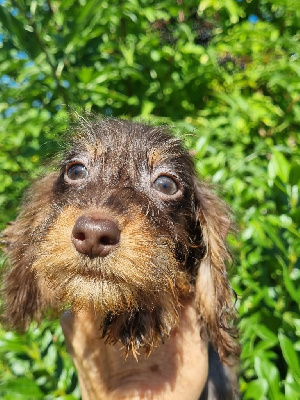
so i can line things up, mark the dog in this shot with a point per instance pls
(125, 232)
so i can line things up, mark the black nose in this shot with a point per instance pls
(95, 236)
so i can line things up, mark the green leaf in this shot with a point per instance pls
(279, 166)
(271, 231)
(13, 345)
(291, 388)
(256, 390)
(294, 178)
(25, 39)
(288, 283)
(265, 333)
(268, 371)
(290, 356)
(22, 386)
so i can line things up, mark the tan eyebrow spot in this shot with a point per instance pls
(155, 156)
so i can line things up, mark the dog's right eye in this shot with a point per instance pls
(166, 185)
(76, 172)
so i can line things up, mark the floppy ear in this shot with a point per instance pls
(22, 292)
(214, 295)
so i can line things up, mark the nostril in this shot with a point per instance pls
(107, 240)
(79, 236)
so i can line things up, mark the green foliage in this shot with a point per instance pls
(36, 366)
(226, 74)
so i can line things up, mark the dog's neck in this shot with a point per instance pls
(174, 370)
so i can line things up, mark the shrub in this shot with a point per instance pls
(225, 74)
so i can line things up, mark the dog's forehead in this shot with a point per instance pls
(124, 140)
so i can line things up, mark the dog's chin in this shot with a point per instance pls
(139, 330)
(137, 317)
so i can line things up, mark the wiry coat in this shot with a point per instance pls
(171, 247)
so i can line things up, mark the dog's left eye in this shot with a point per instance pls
(76, 172)
(165, 185)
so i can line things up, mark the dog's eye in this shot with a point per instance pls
(77, 171)
(165, 185)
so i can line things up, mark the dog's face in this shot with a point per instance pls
(123, 229)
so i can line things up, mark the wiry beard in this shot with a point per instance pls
(134, 290)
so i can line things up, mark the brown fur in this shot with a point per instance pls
(170, 248)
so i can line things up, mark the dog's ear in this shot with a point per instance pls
(214, 295)
(22, 293)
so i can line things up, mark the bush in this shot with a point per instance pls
(226, 75)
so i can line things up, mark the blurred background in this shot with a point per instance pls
(225, 74)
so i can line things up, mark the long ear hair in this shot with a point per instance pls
(214, 295)
(23, 294)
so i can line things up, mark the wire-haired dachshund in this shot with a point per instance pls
(127, 238)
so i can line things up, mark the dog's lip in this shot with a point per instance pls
(91, 267)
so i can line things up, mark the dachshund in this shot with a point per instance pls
(126, 234)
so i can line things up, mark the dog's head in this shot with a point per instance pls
(126, 229)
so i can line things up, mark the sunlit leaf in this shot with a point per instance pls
(290, 355)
